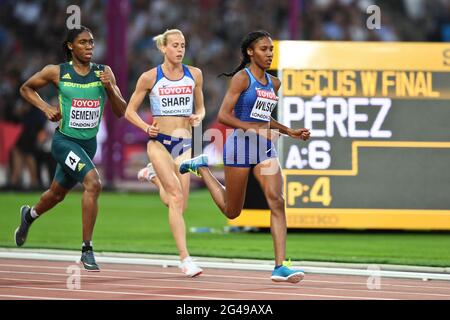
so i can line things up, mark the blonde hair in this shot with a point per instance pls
(161, 39)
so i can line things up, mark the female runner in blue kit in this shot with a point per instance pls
(247, 107)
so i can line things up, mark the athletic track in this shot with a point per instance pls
(48, 280)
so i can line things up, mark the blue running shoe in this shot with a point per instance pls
(20, 235)
(192, 165)
(286, 274)
(88, 261)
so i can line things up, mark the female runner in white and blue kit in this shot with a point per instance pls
(247, 107)
(174, 90)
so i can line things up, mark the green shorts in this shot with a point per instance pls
(73, 157)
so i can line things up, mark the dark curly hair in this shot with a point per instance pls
(70, 37)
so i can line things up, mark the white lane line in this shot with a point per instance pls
(32, 297)
(228, 290)
(382, 284)
(225, 290)
(224, 265)
(191, 297)
(31, 280)
(421, 294)
(234, 277)
(115, 292)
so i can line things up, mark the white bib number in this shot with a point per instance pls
(264, 105)
(72, 160)
(176, 101)
(84, 114)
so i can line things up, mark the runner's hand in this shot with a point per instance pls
(105, 78)
(302, 133)
(53, 114)
(153, 130)
(195, 120)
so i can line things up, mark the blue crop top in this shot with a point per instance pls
(257, 102)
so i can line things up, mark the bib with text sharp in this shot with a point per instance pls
(176, 100)
(172, 97)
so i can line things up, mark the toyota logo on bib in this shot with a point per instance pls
(85, 103)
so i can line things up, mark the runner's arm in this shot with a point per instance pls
(199, 114)
(49, 74)
(142, 88)
(112, 90)
(301, 133)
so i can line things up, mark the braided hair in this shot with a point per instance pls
(70, 37)
(246, 43)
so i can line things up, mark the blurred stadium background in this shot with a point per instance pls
(31, 34)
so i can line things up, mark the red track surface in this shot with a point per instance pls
(32, 279)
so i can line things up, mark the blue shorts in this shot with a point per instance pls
(175, 146)
(247, 149)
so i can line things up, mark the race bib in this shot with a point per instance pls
(265, 103)
(84, 114)
(72, 160)
(176, 101)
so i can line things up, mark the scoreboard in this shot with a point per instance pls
(379, 153)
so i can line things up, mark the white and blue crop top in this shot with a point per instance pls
(257, 102)
(172, 98)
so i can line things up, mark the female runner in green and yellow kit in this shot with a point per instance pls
(83, 87)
